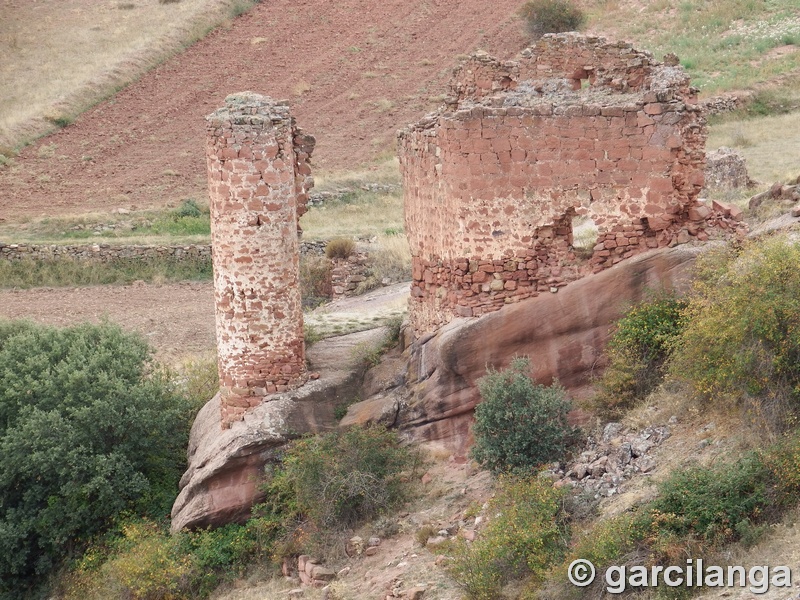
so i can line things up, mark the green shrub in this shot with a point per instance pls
(742, 341)
(637, 352)
(311, 334)
(188, 208)
(709, 503)
(525, 534)
(783, 462)
(61, 120)
(340, 248)
(611, 539)
(143, 561)
(188, 219)
(198, 380)
(551, 16)
(88, 430)
(520, 424)
(335, 481)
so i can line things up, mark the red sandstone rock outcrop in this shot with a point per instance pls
(563, 333)
(226, 465)
(576, 126)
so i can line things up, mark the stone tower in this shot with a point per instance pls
(258, 179)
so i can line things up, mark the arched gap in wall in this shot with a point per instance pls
(584, 236)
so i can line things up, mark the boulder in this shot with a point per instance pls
(564, 334)
(225, 466)
(726, 169)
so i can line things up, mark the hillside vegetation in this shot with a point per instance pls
(725, 45)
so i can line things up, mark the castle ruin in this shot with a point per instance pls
(575, 127)
(259, 177)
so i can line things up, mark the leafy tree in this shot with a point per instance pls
(88, 429)
(741, 343)
(520, 424)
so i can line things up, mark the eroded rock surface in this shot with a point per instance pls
(563, 333)
(226, 465)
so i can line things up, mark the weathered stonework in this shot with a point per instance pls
(575, 127)
(259, 178)
(104, 253)
(726, 169)
(347, 274)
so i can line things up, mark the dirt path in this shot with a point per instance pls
(356, 71)
(178, 319)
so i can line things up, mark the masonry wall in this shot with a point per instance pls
(258, 182)
(103, 252)
(494, 180)
(575, 60)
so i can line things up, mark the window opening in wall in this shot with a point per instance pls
(584, 236)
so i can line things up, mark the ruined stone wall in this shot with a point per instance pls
(573, 60)
(103, 252)
(494, 180)
(258, 182)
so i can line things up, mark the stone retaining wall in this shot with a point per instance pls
(101, 252)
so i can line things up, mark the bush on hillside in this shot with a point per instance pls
(340, 248)
(551, 16)
(742, 339)
(335, 481)
(520, 424)
(87, 430)
(143, 561)
(710, 504)
(638, 351)
(188, 208)
(315, 280)
(524, 535)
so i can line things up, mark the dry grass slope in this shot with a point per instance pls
(60, 58)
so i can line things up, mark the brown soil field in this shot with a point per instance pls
(177, 319)
(355, 71)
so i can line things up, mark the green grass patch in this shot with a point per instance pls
(725, 44)
(189, 222)
(72, 272)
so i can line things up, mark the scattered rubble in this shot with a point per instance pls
(606, 464)
(778, 191)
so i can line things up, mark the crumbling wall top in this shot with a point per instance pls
(575, 128)
(250, 108)
(569, 62)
